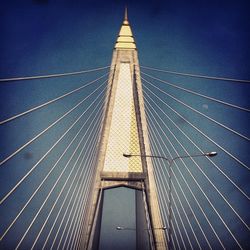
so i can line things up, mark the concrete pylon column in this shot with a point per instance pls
(125, 131)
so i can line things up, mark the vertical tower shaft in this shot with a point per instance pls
(125, 131)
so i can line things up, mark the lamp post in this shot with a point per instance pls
(130, 228)
(170, 162)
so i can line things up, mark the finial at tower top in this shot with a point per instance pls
(125, 16)
(125, 38)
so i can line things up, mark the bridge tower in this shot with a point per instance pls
(125, 131)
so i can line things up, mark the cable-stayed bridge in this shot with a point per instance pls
(50, 149)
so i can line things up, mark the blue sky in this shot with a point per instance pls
(198, 36)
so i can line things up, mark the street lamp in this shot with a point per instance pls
(209, 154)
(129, 228)
(170, 162)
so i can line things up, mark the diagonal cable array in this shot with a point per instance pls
(25, 78)
(64, 185)
(209, 203)
(195, 93)
(190, 191)
(50, 149)
(53, 167)
(197, 75)
(51, 101)
(198, 112)
(209, 138)
(162, 151)
(50, 126)
(61, 178)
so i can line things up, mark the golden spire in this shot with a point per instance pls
(126, 14)
(125, 38)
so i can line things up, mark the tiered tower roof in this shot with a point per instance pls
(125, 38)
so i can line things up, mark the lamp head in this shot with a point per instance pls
(127, 155)
(211, 154)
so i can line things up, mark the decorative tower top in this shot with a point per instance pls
(126, 16)
(125, 38)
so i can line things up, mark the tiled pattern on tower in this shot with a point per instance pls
(123, 136)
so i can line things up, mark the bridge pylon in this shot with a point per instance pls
(125, 131)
